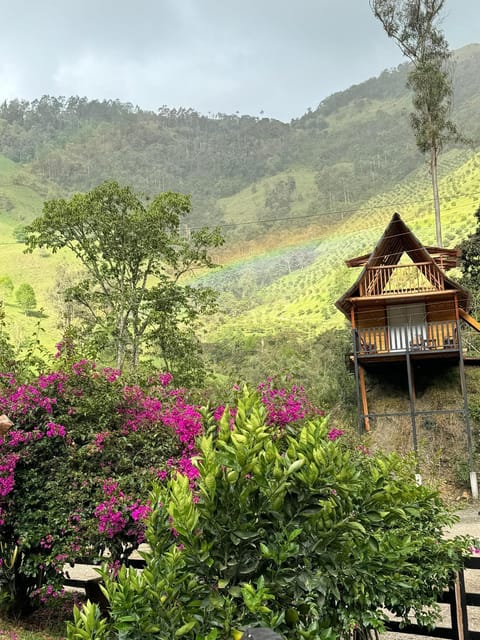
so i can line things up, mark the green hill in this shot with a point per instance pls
(295, 200)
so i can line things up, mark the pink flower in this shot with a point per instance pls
(55, 430)
(334, 434)
(111, 374)
(100, 438)
(140, 511)
(165, 378)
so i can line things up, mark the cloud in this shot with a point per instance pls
(213, 55)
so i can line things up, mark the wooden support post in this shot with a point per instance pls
(411, 394)
(466, 414)
(363, 396)
(458, 609)
(357, 381)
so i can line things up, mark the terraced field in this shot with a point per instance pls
(303, 299)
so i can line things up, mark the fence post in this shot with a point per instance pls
(458, 609)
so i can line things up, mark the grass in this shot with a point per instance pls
(47, 623)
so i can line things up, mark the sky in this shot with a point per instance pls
(275, 58)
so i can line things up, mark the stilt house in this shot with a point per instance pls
(404, 308)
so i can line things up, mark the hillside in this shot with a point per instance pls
(295, 288)
(357, 143)
(294, 200)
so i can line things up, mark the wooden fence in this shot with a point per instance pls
(456, 597)
(458, 600)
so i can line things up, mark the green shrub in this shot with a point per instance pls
(300, 532)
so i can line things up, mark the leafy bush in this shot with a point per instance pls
(76, 470)
(293, 529)
(77, 467)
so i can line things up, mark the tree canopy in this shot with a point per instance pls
(133, 252)
(414, 26)
(25, 296)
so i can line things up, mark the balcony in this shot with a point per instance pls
(429, 338)
(401, 279)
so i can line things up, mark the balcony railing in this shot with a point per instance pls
(431, 337)
(401, 279)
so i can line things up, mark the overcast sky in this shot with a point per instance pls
(275, 56)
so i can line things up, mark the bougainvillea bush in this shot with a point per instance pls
(77, 467)
(299, 531)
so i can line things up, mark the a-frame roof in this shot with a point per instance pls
(396, 240)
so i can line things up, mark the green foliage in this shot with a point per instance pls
(6, 286)
(413, 24)
(87, 624)
(23, 359)
(318, 364)
(432, 98)
(279, 200)
(19, 233)
(470, 257)
(134, 255)
(25, 297)
(296, 531)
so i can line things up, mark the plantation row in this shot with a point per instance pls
(303, 299)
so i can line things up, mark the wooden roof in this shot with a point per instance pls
(396, 240)
(445, 258)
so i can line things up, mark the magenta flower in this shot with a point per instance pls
(165, 378)
(334, 434)
(55, 430)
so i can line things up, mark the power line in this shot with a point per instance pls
(359, 209)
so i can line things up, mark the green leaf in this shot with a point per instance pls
(295, 466)
(185, 628)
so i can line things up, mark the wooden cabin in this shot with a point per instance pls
(404, 308)
(403, 301)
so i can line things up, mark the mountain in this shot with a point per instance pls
(294, 200)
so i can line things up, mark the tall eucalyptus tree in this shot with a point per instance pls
(414, 26)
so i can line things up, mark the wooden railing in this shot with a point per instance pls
(401, 279)
(428, 337)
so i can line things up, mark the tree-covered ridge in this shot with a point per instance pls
(78, 143)
(357, 142)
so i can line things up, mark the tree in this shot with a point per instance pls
(470, 262)
(132, 250)
(413, 24)
(25, 296)
(19, 233)
(6, 286)
(279, 199)
(176, 311)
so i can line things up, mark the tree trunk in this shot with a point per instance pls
(436, 199)
(120, 346)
